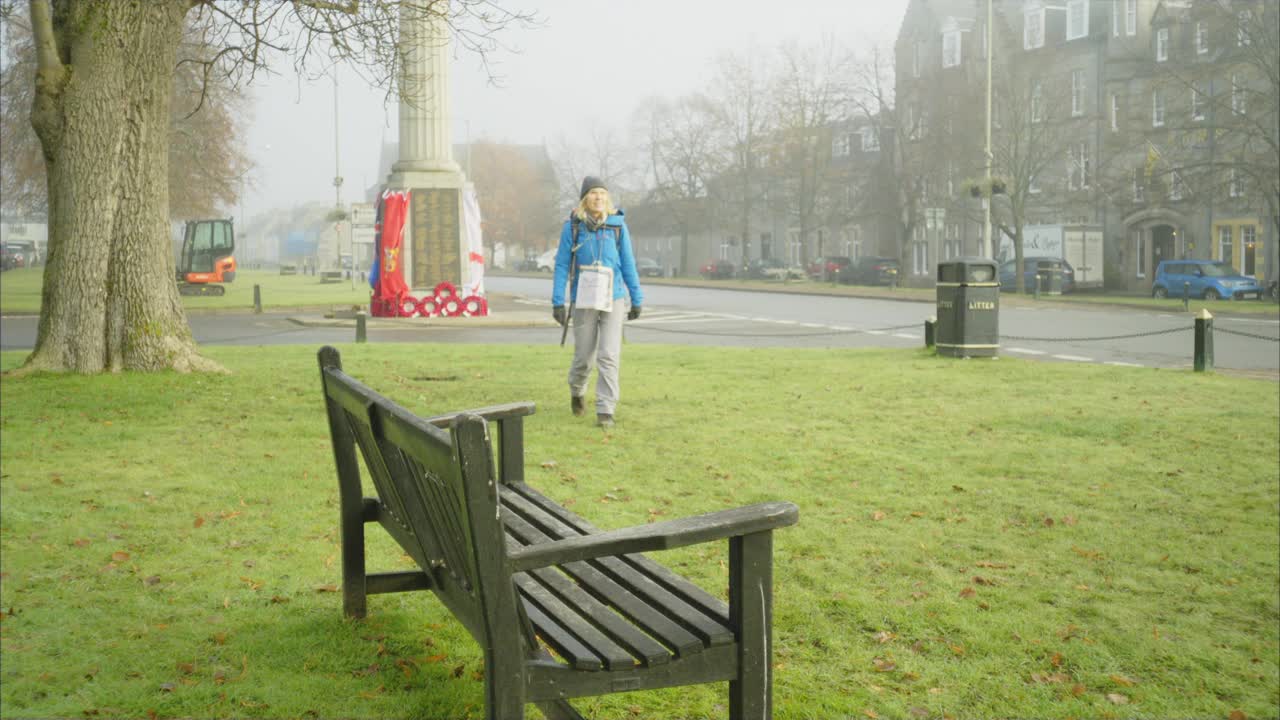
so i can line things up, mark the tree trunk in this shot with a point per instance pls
(110, 300)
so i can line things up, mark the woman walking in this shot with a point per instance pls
(595, 259)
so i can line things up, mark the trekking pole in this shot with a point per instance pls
(573, 301)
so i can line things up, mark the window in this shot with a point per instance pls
(1130, 17)
(1197, 103)
(1115, 113)
(1225, 252)
(920, 258)
(1248, 245)
(1202, 38)
(841, 145)
(1140, 252)
(1115, 18)
(1033, 185)
(915, 59)
(1033, 29)
(1078, 167)
(1157, 108)
(1237, 95)
(1139, 191)
(1236, 187)
(1077, 93)
(870, 139)
(951, 49)
(1162, 44)
(1077, 19)
(1037, 100)
(1243, 19)
(1177, 188)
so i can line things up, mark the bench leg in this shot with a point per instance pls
(354, 588)
(751, 614)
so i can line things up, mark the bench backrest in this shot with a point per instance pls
(438, 494)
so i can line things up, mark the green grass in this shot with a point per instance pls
(20, 292)
(977, 539)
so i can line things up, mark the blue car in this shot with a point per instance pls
(1207, 279)
(1030, 266)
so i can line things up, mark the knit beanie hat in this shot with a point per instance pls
(590, 183)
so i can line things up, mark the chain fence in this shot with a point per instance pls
(1241, 333)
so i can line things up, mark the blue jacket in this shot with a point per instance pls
(612, 244)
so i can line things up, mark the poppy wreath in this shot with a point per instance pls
(429, 306)
(450, 305)
(408, 306)
(474, 306)
(445, 290)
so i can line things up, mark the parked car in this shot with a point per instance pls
(870, 271)
(717, 269)
(773, 269)
(648, 267)
(1208, 279)
(832, 266)
(1030, 266)
(547, 261)
(9, 259)
(529, 264)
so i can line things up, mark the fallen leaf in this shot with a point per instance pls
(1117, 699)
(373, 693)
(967, 592)
(435, 658)
(81, 542)
(327, 588)
(1122, 680)
(119, 556)
(166, 687)
(151, 580)
(278, 600)
(983, 581)
(957, 488)
(1237, 715)
(199, 521)
(550, 465)
(1048, 522)
(1077, 690)
(871, 714)
(457, 672)
(884, 665)
(1056, 660)
(219, 638)
(884, 636)
(992, 565)
(877, 515)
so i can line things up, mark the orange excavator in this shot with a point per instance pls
(207, 258)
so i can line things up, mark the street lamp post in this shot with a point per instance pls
(987, 245)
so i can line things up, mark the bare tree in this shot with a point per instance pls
(739, 102)
(101, 107)
(518, 197)
(811, 95)
(207, 163)
(683, 157)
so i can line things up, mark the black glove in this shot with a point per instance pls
(634, 312)
(558, 313)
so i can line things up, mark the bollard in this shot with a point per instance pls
(1037, 286)
(257, 299)
(1203, 361)
(1186, 296)
(929, 326)
(360, 327)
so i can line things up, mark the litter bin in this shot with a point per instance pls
(968, 292)
(1050, 273)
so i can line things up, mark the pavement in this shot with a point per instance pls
(505, 311)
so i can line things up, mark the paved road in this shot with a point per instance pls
(697, 316)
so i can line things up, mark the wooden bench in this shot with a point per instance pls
(560, 608)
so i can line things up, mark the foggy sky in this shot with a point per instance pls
(590, 62)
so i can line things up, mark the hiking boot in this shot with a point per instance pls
(577, 405)
(604, 420)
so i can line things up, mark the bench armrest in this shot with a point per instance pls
(493, 412)
(658, 536)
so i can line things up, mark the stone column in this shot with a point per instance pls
(435, 248)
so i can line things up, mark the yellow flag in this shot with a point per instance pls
(1152, 156)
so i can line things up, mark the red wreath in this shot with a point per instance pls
(474, 306)
(451, 306)
(446, 290)
(408, 306)
(429, 307)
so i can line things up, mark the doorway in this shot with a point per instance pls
(1163, 244)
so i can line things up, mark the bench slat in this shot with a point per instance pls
(656, 617)
(673, 582)
(562, 641)
(614, 656)
(640, 645)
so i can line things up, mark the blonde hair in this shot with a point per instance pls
(581, 213)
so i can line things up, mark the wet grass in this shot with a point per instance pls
(977, 539)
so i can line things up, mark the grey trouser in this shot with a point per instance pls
(597, 340)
